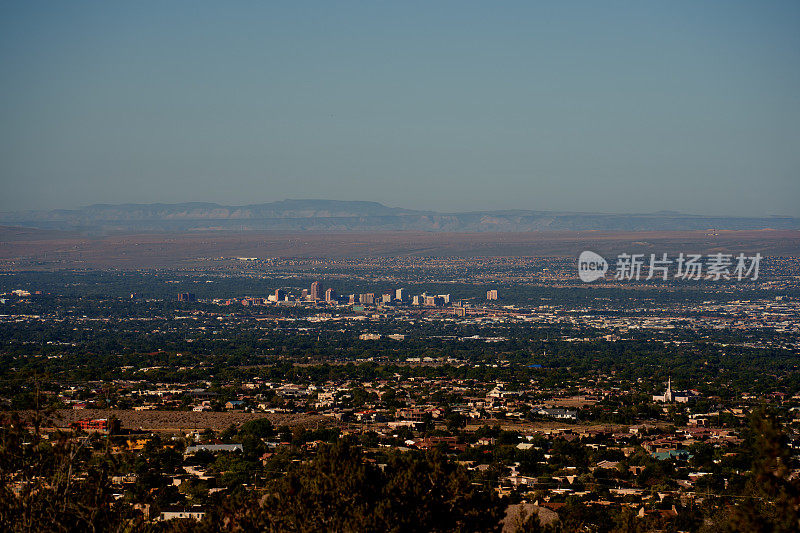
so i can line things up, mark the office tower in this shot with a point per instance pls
(279, 295)
(491, 295)
(398, 294)
(186, 297)
(316, 291)
(330, 295)
(368, 298)
(387, 298)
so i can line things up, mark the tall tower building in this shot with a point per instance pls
(330, 295)
(367, 298)
(316, 291)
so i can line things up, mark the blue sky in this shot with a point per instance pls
(579, 106)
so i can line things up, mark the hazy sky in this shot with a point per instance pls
(587, 106)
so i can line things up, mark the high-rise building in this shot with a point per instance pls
(330, 295)
(386, 298)
(398, 294)
(316, 291)
(491, 295)
(368, 298)
(279, 295)
(187, 297)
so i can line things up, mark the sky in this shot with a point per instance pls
(627, 107)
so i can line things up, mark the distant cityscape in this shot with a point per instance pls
(617, 398)
(557, 289)
(316, 294)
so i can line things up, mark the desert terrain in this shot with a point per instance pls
(27, 249)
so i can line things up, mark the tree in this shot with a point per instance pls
(60, 485)
(771, 500)
(340, 491)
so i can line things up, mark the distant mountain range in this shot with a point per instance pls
(332, 215)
